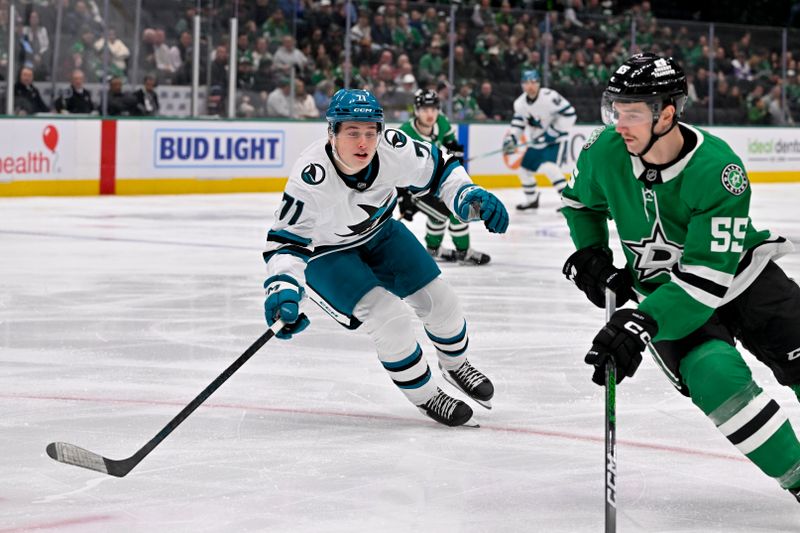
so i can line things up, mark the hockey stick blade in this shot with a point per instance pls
(74, 455)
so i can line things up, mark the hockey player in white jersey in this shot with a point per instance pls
(546, 117)
(334, 238)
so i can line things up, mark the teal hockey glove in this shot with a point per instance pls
(283, 301)
(478, 203)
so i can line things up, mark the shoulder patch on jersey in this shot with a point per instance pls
(734, 179)
(313, 174)
(593, 137)
(396, 138)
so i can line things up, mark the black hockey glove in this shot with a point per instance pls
(623, 339)
(406, 205)
(592, 270)
(456, 149)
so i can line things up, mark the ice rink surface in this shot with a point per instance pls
(116, 311)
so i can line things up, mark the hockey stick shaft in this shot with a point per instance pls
(611, 429)
(74, 455)
(517, 147)
(350, 322)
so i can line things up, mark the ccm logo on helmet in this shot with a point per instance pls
(362, 110)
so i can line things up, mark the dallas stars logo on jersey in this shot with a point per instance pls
(734, 179)
(654, 255)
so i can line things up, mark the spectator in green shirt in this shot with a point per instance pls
(431, 64)
(406, 36)
(465, 106)
(597, 72)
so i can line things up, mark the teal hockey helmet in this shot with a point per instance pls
(531, 75)
(353, 105)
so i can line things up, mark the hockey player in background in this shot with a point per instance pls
(546, 116)
(334, 235)
(702, 274)
(430, 125)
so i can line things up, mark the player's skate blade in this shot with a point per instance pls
(472, 257)
(529, 206)
(448, 410)
(471, 382)
(443, 255)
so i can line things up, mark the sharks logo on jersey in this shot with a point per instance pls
(375, 215)
(655, 254)
(549, 112)
(313, 174)
(534, 122)
(397, 139)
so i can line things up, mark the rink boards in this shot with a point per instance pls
(56, 156)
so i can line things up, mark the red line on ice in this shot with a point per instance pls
(321, 412)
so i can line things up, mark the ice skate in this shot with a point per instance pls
(529, 206)
(472, 382)
(448, 410)
(472, 257)
(443, 255)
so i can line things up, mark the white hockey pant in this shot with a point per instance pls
(437, 305)
(528, 180)
(388, 322)
(529, 187)
(554, 174)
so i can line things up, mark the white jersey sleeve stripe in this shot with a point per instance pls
(722, 279)
(705, 298)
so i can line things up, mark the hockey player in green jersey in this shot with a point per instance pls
(430, 125)
(702, 274)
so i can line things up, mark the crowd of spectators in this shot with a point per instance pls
(292, 55)
(77, 99)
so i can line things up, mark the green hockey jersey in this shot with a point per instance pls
(685, 228)
(443, 132)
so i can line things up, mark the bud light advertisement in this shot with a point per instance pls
(218, 148)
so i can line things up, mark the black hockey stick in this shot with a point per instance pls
(74, 455)
(611, 429)
(529, 144)
(348, 321)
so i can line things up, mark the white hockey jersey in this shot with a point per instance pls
(324, 210)
(546, 119)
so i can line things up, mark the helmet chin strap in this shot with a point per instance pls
(654, 137)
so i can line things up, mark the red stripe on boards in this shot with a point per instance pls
(108, 156)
